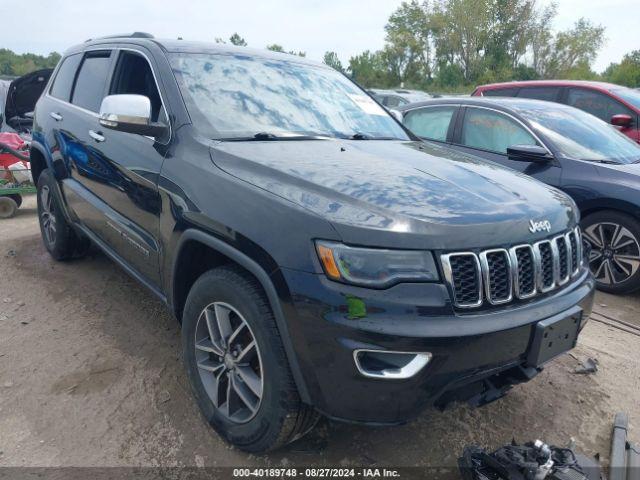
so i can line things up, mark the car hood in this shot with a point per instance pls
(24, 92)
(400, 194)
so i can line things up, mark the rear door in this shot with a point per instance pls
(488, 133)
(74, 114)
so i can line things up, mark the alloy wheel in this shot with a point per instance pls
(47, 216)
(229, 362)
(615, 252)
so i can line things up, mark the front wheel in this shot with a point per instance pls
(237, 365)
(614, 260)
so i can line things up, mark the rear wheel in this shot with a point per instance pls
(236, 363)
(8, 207)
(57, 235)
(614, 260)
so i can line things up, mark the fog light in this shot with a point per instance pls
(390, 365)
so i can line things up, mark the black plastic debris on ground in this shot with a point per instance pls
(530, 461)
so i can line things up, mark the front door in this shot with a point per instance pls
(132, 163)
(488, 133)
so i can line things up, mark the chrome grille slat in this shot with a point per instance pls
(525, 271)
(548, 265)
(496, 275)
(463, 297)
(563, 258)
(500, 275)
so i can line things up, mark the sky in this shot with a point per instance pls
(347, 27)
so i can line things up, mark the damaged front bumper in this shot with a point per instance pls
(471, 357)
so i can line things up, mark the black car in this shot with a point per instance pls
(561, 146)
(319, 257)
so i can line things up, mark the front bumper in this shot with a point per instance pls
(329, 321)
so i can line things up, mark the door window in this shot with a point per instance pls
(493, 131)
(431, 123)
(596, 103)
(500, 92)
(92, 79)
(549, 94)
(133, 75)
(392, 101)
(63, 82)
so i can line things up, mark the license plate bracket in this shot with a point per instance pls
(554, 336)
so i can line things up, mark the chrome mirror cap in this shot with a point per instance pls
(125, 109)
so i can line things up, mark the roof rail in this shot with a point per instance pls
(123, 35)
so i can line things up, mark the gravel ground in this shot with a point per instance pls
(91, 376)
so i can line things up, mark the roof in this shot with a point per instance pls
(505, 103)
(551, 83)
(174, 46)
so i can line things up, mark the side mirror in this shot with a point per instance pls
(397, 114)
(528, 153)
(622, 120)
(129, 113)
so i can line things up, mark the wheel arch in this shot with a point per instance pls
(619, 206)
(37, 160)
(197, 252)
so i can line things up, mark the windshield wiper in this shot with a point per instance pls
(364, 136)
(268, 136)
(607, 161)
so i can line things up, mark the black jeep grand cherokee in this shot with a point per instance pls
(319, 258)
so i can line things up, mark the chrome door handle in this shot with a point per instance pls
(56, 116)
(96, 136)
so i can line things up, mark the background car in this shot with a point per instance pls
(18, 99)
(398, 98)
(561, 146)
(611, 103)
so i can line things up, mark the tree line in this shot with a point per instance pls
(453, 45)
(14, 65)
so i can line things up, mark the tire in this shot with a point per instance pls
(58, 236)
(8, 207)
(271, 414)
(614, 260)
(16, 198)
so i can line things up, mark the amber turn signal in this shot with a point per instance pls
(328, 262)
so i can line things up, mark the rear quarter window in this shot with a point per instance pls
(63, 83)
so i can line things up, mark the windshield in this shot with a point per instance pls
(238, 96)
(629, 95)
(577, 134)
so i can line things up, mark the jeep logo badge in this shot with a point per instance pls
(539, 226)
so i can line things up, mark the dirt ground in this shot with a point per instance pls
(91, 375)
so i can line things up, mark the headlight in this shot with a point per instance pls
(372, 267)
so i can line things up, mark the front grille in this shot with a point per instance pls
(523, 271)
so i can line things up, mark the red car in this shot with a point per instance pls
(612, 103)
